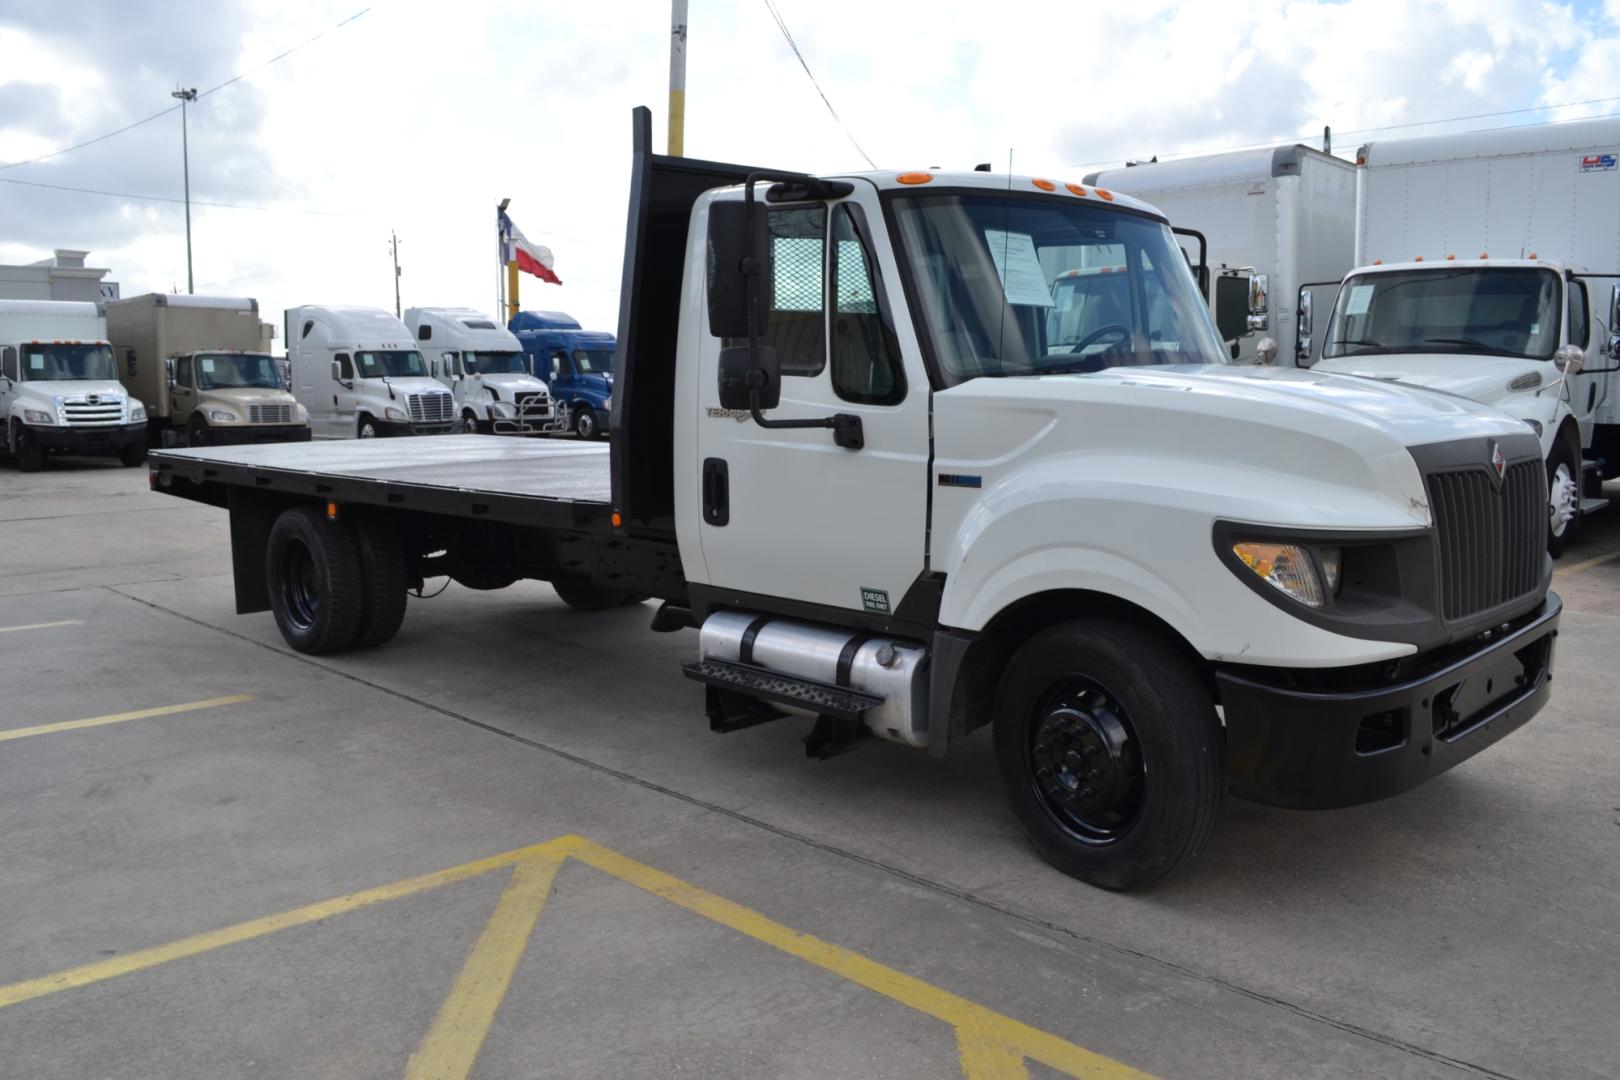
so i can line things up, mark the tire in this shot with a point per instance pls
(469, 423)
(1121, 701)
(585, 425)
(313, 572)
(583, 597)
(367, 429)
(382, 578)
(197, 432)
(631, 599)
(132, 455)
(28, 456)
(1561, 460)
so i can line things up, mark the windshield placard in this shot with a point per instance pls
(1019, 268)
(1359, 300)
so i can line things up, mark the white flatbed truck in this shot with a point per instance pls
(843, 451)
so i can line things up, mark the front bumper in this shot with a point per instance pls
(1320, 749)
(111, 439)
(249, 434)
(397, 428)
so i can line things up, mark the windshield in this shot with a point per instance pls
(494, 363)
(234, 371)
(594, 361)
(1505, 311)
(41, 363)
(1019, 286)
(375, 365)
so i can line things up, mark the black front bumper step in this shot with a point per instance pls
(783, 689)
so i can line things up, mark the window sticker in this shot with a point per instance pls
(1359, 300)
(1019, 268)
(207, 365)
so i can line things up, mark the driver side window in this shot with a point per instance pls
(345, 365)
(182, 372)
(8, 363)
(1580, 330)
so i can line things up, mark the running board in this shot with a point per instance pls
(1592, 506)
(758, 683)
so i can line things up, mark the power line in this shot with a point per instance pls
(171, 199)
(771, 6)
(1386, 127)
(172, 108)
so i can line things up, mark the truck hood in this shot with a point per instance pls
(73, 389)
(512, 383)
(1476, 377)
(245, 395)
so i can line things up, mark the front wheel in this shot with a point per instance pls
(583, 597)
(469, 423)
(197, 432)
(24, 450)
(367, 429)
(585, 425)
(1109, 749)
(132, 455)
(1563, 496)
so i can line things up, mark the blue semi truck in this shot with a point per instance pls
(576, 364)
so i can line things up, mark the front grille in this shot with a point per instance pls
(270, 414)
(533, 403)
(1492, 539)
(430, 408)
(82, 415)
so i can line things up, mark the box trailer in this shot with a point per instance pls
(847, 452)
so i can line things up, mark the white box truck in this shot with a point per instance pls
(1486, 266)
(484, 366)
(59, 389)
(196, 362)
(1275, 219)
(359, 373)
(845, 449)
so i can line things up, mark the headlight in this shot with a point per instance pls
(1535, 426)
(1290, 569)
(303, 414)
(222, 416)
(394, 414)
(137, 412)
(34, 416)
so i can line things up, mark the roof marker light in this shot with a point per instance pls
(1378, 262)
(1533, 255)
(915, 177)
(1076, 189)
(1484, 254)
(1418, 259)
(1451, 258)
(1044, 185)
(1104, 193)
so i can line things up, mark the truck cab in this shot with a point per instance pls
(485, 369)
(59, 388)
(576, 364)
(359, 373)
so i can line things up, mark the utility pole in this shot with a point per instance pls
(185, 97)
(393, 249)
(677, 78)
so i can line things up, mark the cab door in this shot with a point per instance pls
(789, 513)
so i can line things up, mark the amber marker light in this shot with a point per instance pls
(1104, 193)
(1076, 189)
(915, 177)
(1044, 185)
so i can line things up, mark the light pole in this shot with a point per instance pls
(185, 161)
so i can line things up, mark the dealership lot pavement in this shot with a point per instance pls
(507, 845)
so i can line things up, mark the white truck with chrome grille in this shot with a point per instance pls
(358, 373)
(844, 448)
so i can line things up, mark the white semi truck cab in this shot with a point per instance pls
(848, 449)
(59, 388)
(484, 366)
(359, 374)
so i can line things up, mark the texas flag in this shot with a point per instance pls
(530, 257)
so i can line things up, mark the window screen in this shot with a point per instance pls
(865, 355)
(797, 320)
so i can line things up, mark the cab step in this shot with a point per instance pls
(773, 686)
(1590, 505)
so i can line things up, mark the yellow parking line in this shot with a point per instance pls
(452, 1043)
(1585, 564)
(119, 718)
(41, 625)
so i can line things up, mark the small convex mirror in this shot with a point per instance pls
(1570, 359)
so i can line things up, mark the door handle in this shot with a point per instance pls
(716, 492)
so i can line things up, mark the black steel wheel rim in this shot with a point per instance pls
(300, 585)
(1085, 761)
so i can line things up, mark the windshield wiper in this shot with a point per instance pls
(1472, 343)
(1366, 346)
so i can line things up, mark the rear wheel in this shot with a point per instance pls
(382, 576)
(1563, 496)
(582, 597)
(316, 586)
(1110, 751)
(24, 451)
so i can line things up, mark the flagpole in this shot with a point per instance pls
(677, 78)
(500, 255)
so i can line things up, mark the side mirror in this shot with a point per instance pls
(732, 251)
(738, 377)
(1231, 307)
(1570, 359)
(168, 372)
(1266, 350)
(1302, 347)
(1259, 300)
(337, 371)
(1614, 310)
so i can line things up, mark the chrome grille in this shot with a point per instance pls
(85, 413)
(1492, 539)
(430, 408)
(270, 414)
(533, 404)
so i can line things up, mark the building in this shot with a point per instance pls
(61, 277)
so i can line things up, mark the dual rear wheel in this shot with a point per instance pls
(335, 584)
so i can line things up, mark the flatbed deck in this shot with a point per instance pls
(503, 478)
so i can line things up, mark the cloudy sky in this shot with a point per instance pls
(419, 116)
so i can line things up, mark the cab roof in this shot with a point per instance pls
(1442, 262)
(922, 181)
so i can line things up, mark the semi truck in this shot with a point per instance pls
(577, 365)
(1487, 264)
(486, 371)
(197, 363)
(845, 452)
(59, 389)
(1276, 219)
(358, 372)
